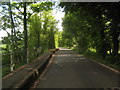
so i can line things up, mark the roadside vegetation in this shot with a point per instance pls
(31, 30)
(93, 29)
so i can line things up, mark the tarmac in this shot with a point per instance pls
(68, 69)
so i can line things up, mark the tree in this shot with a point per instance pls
(93, 25)
(32, 36)
(42, 28)
(36, 8)
(12, 42)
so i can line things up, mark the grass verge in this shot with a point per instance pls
(105, 62)
(94, 57)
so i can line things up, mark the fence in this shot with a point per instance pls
(8, 66)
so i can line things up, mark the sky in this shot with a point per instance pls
(57, 13)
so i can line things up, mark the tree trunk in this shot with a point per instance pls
(12, 41)
(25, 35)
(103, 47)
(115, 42)
(115, 34)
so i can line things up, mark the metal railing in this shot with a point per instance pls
(16, 63)
(7, 64)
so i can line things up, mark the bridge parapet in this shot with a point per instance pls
(25, 76)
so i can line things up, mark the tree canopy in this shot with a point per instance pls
(31, 27)
(92, 26)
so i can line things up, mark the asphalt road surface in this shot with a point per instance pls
(70, 70)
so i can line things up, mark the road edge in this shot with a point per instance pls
(108, 67)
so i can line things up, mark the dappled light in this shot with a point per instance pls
(63, 48)
(59, 44)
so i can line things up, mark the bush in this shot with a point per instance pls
(5, 59)
(5, 70)
(113, 59)
(109, 58)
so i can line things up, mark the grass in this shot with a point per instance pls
(105, 62)
(93, 56)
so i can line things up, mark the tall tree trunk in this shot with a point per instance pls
(12, 44)
(102, 43)
(116, 32)
(25, 35)
(115, 36)
(103, 47)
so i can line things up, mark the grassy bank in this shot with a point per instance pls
(105, 62)
(108, 61)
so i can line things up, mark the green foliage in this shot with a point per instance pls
(38, 7)
(60, 40)
(93, 26)
(3, 46)
(5, 71)
(41, 31)
(5, 59)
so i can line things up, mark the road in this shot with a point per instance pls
(68, 69)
